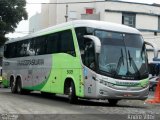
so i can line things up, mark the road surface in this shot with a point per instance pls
(35, 106)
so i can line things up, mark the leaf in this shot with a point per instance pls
(11, 13)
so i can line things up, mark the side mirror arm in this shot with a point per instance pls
(155, 49)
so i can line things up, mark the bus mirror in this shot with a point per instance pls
(96, 42)
(155, 49)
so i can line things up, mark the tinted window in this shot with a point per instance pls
(80, 32)
(66, 43)
(30, 49)
(21, 48)
(89, 54)
(158, 22)
(52, 43)
(40, 45)
(9, 50)
(6, 51)
(61, 42)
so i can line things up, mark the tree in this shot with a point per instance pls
(11, 13)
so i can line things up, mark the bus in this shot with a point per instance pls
(154, 68)
(154, 72)
(81, 59)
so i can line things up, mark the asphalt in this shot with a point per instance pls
(35, 107)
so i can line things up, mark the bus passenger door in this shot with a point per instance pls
(88, 59)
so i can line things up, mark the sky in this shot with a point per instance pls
(23, 27)
(32, 9)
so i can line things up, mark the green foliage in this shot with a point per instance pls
(11, 13)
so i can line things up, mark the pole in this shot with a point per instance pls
(66, 16)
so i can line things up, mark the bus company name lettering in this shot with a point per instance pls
(31, 62)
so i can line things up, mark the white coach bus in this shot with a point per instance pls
(83, 59)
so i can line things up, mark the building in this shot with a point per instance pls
(144, 17)
(35, 23)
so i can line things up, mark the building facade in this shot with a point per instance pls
(144, 17)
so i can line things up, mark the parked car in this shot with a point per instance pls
(153, 83)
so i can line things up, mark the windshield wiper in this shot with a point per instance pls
(120, 61)
(131, 62)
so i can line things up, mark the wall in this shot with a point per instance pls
(146, 22)
(53, 14)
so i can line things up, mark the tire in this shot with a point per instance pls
(13, 87)
(19, 88)
(113, 102)
(72, 94)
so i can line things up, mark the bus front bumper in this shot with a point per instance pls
(104, 92)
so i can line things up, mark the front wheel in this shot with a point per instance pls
(72, 94)
(113, 102)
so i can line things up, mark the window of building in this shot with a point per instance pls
(158, 22)
(129, 19)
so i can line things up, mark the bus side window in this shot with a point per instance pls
(40, 45)
(66, 43)
(11, 50)
(52, 43)
(6, 51)
(30, 48)
(23, 51)
(21, 48)
(1, 71)
(80, 32)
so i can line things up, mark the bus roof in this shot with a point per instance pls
(82, 23)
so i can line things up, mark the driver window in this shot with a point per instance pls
(89, 54)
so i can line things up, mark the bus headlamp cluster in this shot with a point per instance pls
(106, 83)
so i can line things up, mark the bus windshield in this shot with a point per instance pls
(122, 56)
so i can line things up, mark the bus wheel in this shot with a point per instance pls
(13, 86)
(113, 102)
(72, 94)
(19, 86)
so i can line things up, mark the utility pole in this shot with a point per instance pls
(66, 16)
